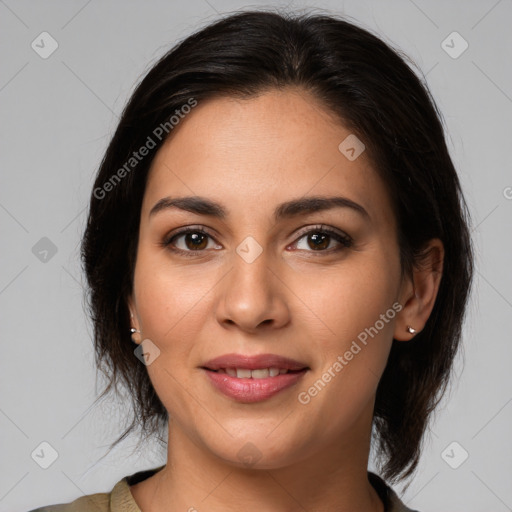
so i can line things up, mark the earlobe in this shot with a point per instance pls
(420, 293)
(134, 330)
(136, 335)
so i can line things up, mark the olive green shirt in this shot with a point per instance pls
(120, 499)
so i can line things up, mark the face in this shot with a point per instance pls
(317, 285)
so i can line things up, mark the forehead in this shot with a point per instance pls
(257, 152)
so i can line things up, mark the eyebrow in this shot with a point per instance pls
(304, 205)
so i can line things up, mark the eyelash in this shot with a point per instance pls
(345, 240)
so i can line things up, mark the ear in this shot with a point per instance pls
(418, 295)
(134, 322)
(132, 311)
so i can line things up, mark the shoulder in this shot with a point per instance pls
(99, 502)
(119, 499)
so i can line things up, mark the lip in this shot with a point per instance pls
(252, 390)
(254, 362)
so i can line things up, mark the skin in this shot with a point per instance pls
(292, 300)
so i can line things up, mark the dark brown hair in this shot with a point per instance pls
(373, 92)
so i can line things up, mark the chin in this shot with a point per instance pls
(258, 453)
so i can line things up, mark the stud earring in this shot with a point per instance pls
(410, 329)
(136, 339)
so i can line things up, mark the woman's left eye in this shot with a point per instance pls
(318, 239)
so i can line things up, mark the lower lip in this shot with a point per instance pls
(253, 390)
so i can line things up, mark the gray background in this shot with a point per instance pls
(57, 117)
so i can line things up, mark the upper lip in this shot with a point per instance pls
(253, 362)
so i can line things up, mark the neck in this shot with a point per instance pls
(332, 478)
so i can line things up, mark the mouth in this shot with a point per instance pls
(256, 367)
(258, 373)
(249, 386)
(249, 379)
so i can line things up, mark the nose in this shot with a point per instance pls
(252, 296)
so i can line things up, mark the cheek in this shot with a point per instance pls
(350, 364)
(172, 305)
(169, 300)
(349, 299)
(355, 313)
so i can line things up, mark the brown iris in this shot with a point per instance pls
(320, 241)
(198, 241)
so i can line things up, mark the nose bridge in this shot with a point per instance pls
(251, 293)
(250, 265)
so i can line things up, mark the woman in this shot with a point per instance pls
(278, 224)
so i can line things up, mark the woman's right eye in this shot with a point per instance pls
(192, 239)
